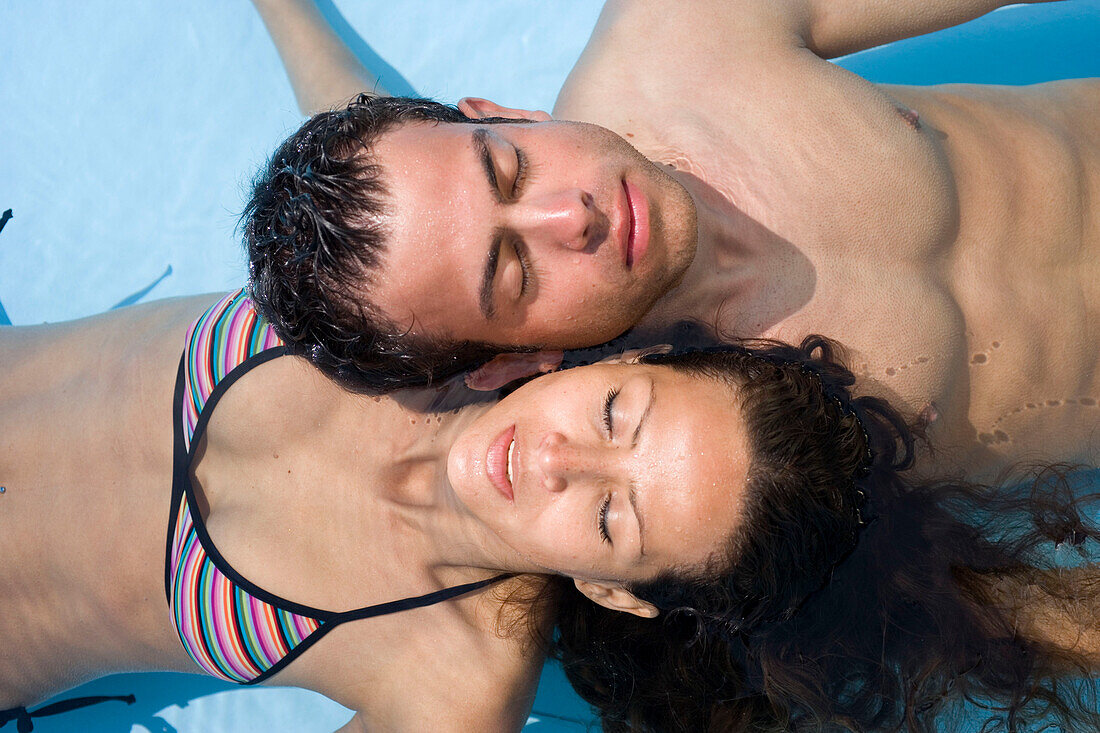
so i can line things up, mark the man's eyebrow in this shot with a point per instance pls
(485, 292)
(480, 138)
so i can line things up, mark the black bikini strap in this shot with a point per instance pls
(331, 621)
(22, 716)
(406, 604)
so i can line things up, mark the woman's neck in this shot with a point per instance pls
(453, 544)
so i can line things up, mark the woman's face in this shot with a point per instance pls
(610, 472)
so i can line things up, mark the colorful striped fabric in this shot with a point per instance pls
(222, 339)
(229, 632)
(232, 628)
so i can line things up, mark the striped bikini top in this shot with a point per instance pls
(232, 628)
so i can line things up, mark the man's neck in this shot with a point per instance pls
(743, 280)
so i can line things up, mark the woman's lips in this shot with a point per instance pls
(498, 462)
(636, 222)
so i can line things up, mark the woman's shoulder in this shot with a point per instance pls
(459, 682)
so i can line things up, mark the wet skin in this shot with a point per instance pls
(404, 505)
(607, 460)
(942, 234)
(546, 233)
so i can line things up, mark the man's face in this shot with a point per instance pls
(555, 234)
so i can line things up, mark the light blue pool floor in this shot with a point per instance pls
(186, 703)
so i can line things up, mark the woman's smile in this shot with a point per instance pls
(498, 462)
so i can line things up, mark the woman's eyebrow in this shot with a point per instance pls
(645, 414)
(637, 515)
(632, 495)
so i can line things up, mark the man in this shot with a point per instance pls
(729, 176)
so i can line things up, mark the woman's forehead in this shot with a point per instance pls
(697, 470)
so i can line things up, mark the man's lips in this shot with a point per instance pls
(497, 459)
(634, 239)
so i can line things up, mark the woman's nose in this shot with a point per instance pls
(567, 218)
(563, 462)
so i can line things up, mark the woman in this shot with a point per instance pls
(712, 536)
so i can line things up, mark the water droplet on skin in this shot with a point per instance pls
(979, 359)
(1054, 403)
(996, 344)
(1087, 401)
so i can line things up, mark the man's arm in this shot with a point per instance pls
(832, 28)
(323, 70)
(645, 51)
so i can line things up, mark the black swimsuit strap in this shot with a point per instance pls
(334, 620)
(22, 716)
(405, 604)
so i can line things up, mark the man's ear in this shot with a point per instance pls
(616, 598)
(477, 108)
(505, 368)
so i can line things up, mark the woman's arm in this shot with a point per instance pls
(323, 70)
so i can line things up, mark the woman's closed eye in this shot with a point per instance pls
(601, 520)
(608, 404)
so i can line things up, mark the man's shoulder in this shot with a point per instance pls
(646, 58)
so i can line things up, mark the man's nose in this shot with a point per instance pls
(567, 218)
(564, 462)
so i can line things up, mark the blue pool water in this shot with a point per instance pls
(130, 130)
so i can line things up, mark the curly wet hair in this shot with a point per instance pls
(314, 232)
(853, 597)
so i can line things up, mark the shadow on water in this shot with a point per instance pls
(174, 702)
(135, 297)
(128, 300)
(389, 77)
(153, 693)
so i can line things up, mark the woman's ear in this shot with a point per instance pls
(505, 368)
(477, 108)
(616, 598)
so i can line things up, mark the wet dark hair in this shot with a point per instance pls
(852, 596)
(314, 236)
